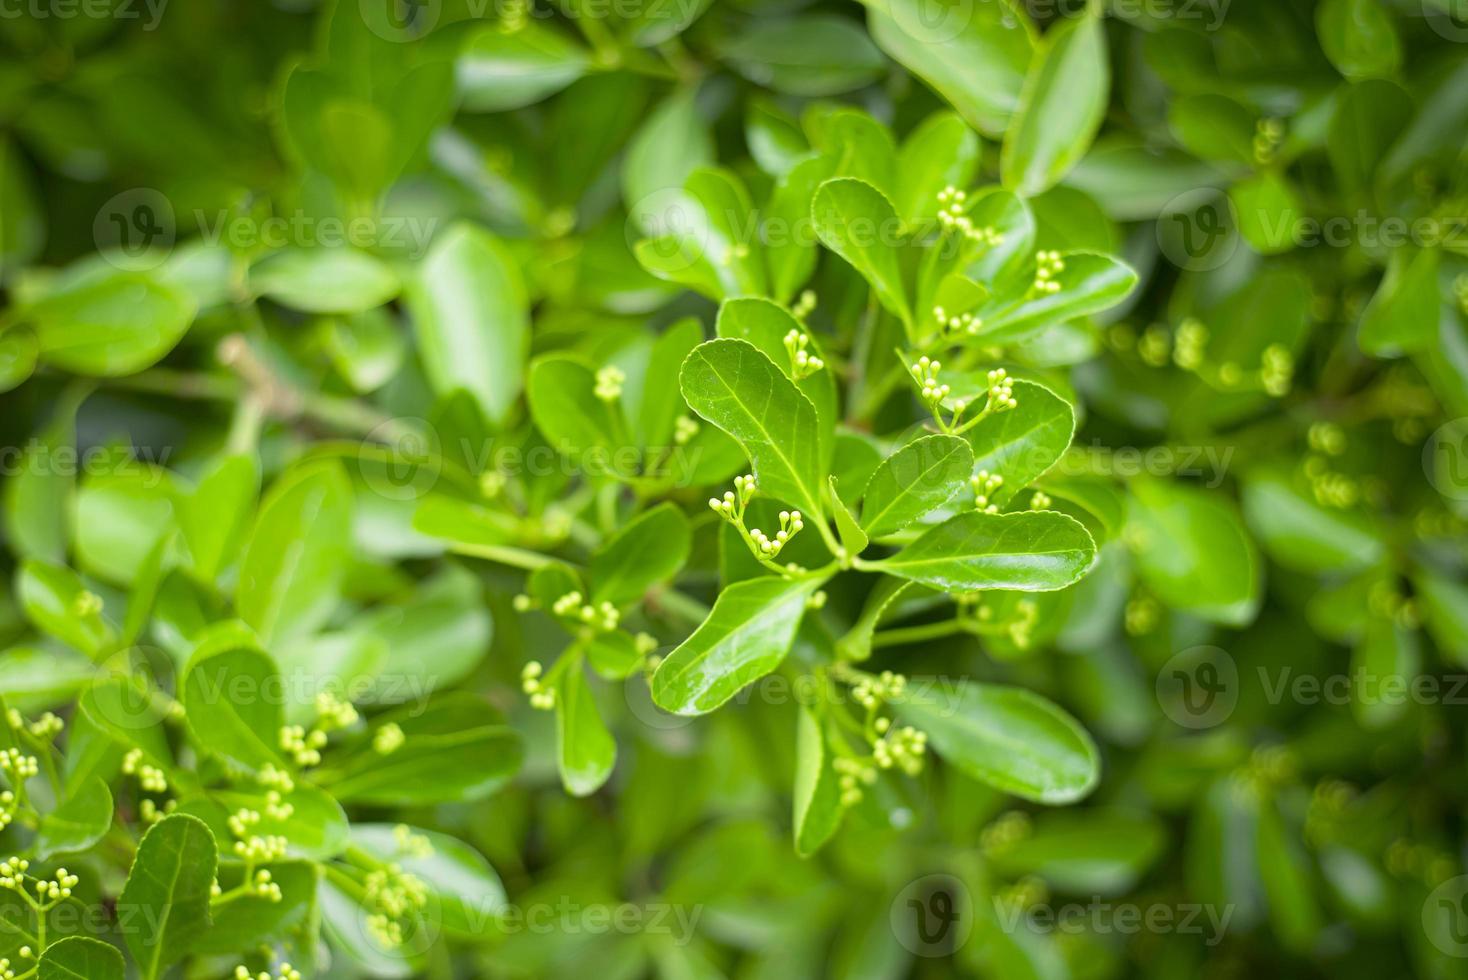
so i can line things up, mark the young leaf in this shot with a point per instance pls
(165, 901)
(853, 539)
(1036, 551)
(1062, 107)
(230, 697)
(471, 316)
(292, 569)
(80, 958)
(1192, 551)
(498, 70)
(914, 481)
(749, 632)
(856, 222)
(740, 390)
(563, 402)
(812, 55)
(817, 794)
(81, 820)
(1022, 444)
(586, 751)
(1009, 738)
(975, 55)
(649, 550)
(57, 602)
(215, 517)
(325, 280)
(106, 327)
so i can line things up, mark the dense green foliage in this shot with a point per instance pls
(766, 488)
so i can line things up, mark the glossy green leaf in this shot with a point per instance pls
(585, 749)
(1023, 443)
(471, 316)
(856, 222)
(811, 55)
(325, 280)
(1009, 738)
(291, 572)
(1062, 106)
(914, 481)
(649, 550)
(817, 796)
(78, 822)
(747, 635)
(80, 958)
(740, 390)
(166, 897)
(110, 326)
(497, 70)
(1035, 551)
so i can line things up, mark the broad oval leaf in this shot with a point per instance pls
(649, 550)
(586, 751)
(499, 70)
(325, 280)
(914, 481)
(748, 633)
(1021, 444)
(115, 325)
(292, 569)
(471, 316)
(1007, 737)
(166, 896)
(856, 222)
(80, 958)
(1062, 107)
(737, 388)
(1028, 551)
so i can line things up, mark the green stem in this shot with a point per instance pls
(919, 634)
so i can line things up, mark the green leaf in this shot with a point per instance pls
(1193, 552)
(790, 251)
(315, 825)
(1444, 605)
(110, 326)
(80, 820)
(231, 698)
(766, 325)
(585, 750)
(247, 923)
(747, 635)
(1063, 104)
(296, 558)
(1359, 37)
(673, 143)
(1022, 444)
(1404, 314)
(39, 494)
(1368, 118)
(563, 402)
(120, 517)
(857, 643)
(853, 539)
(975, 55)
(53, 597)
(19, 351)
(455, 750)
(1006, 737)
(469, 894)
(1096, 851)
(1388, 659)
(1268, 212)
(811, 55)
(913, 482)
(80, 958)
(644, 553)
(1031, 551)
(471, 316)
(499, 70)
(740, 390)
(165, 901)
(366, 348)
(324, 280)
(703, 237)
(942, 152)
(856, 222)
(1301, 534)
(433, 639)
(817, 795)
(1089, 284)
(215, 517)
